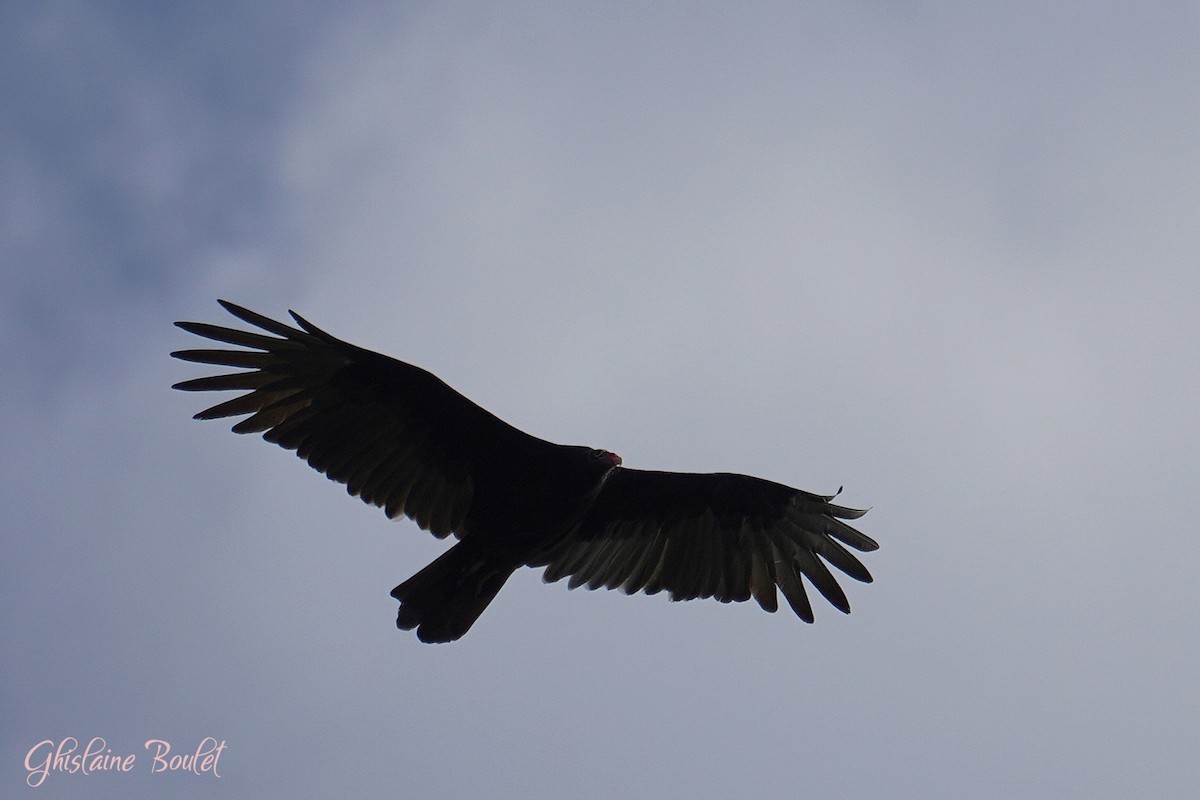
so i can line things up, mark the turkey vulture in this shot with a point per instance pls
(401, 439)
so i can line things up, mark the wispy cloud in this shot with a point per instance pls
(941, 256)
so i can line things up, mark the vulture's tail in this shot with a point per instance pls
(443, 600)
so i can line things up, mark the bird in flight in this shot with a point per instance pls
(400, 438)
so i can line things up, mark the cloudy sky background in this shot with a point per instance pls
(946, 257)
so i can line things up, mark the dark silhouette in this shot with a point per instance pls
(400, 438)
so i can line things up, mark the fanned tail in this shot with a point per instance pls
(443, 600)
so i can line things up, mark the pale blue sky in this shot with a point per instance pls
(944, 256)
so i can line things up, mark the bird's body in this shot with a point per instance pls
(400, 438)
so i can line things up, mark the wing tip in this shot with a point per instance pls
(187, 355)
(232, 308)
(309, 328)
(866, 544)
(844, 512)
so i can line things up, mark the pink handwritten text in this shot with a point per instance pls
(44, 757)
(69, 757)
(203, 759)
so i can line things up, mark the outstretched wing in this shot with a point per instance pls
(395, 435)
(731, 537)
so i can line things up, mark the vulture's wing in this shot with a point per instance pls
(731, 537)
(394, 434)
